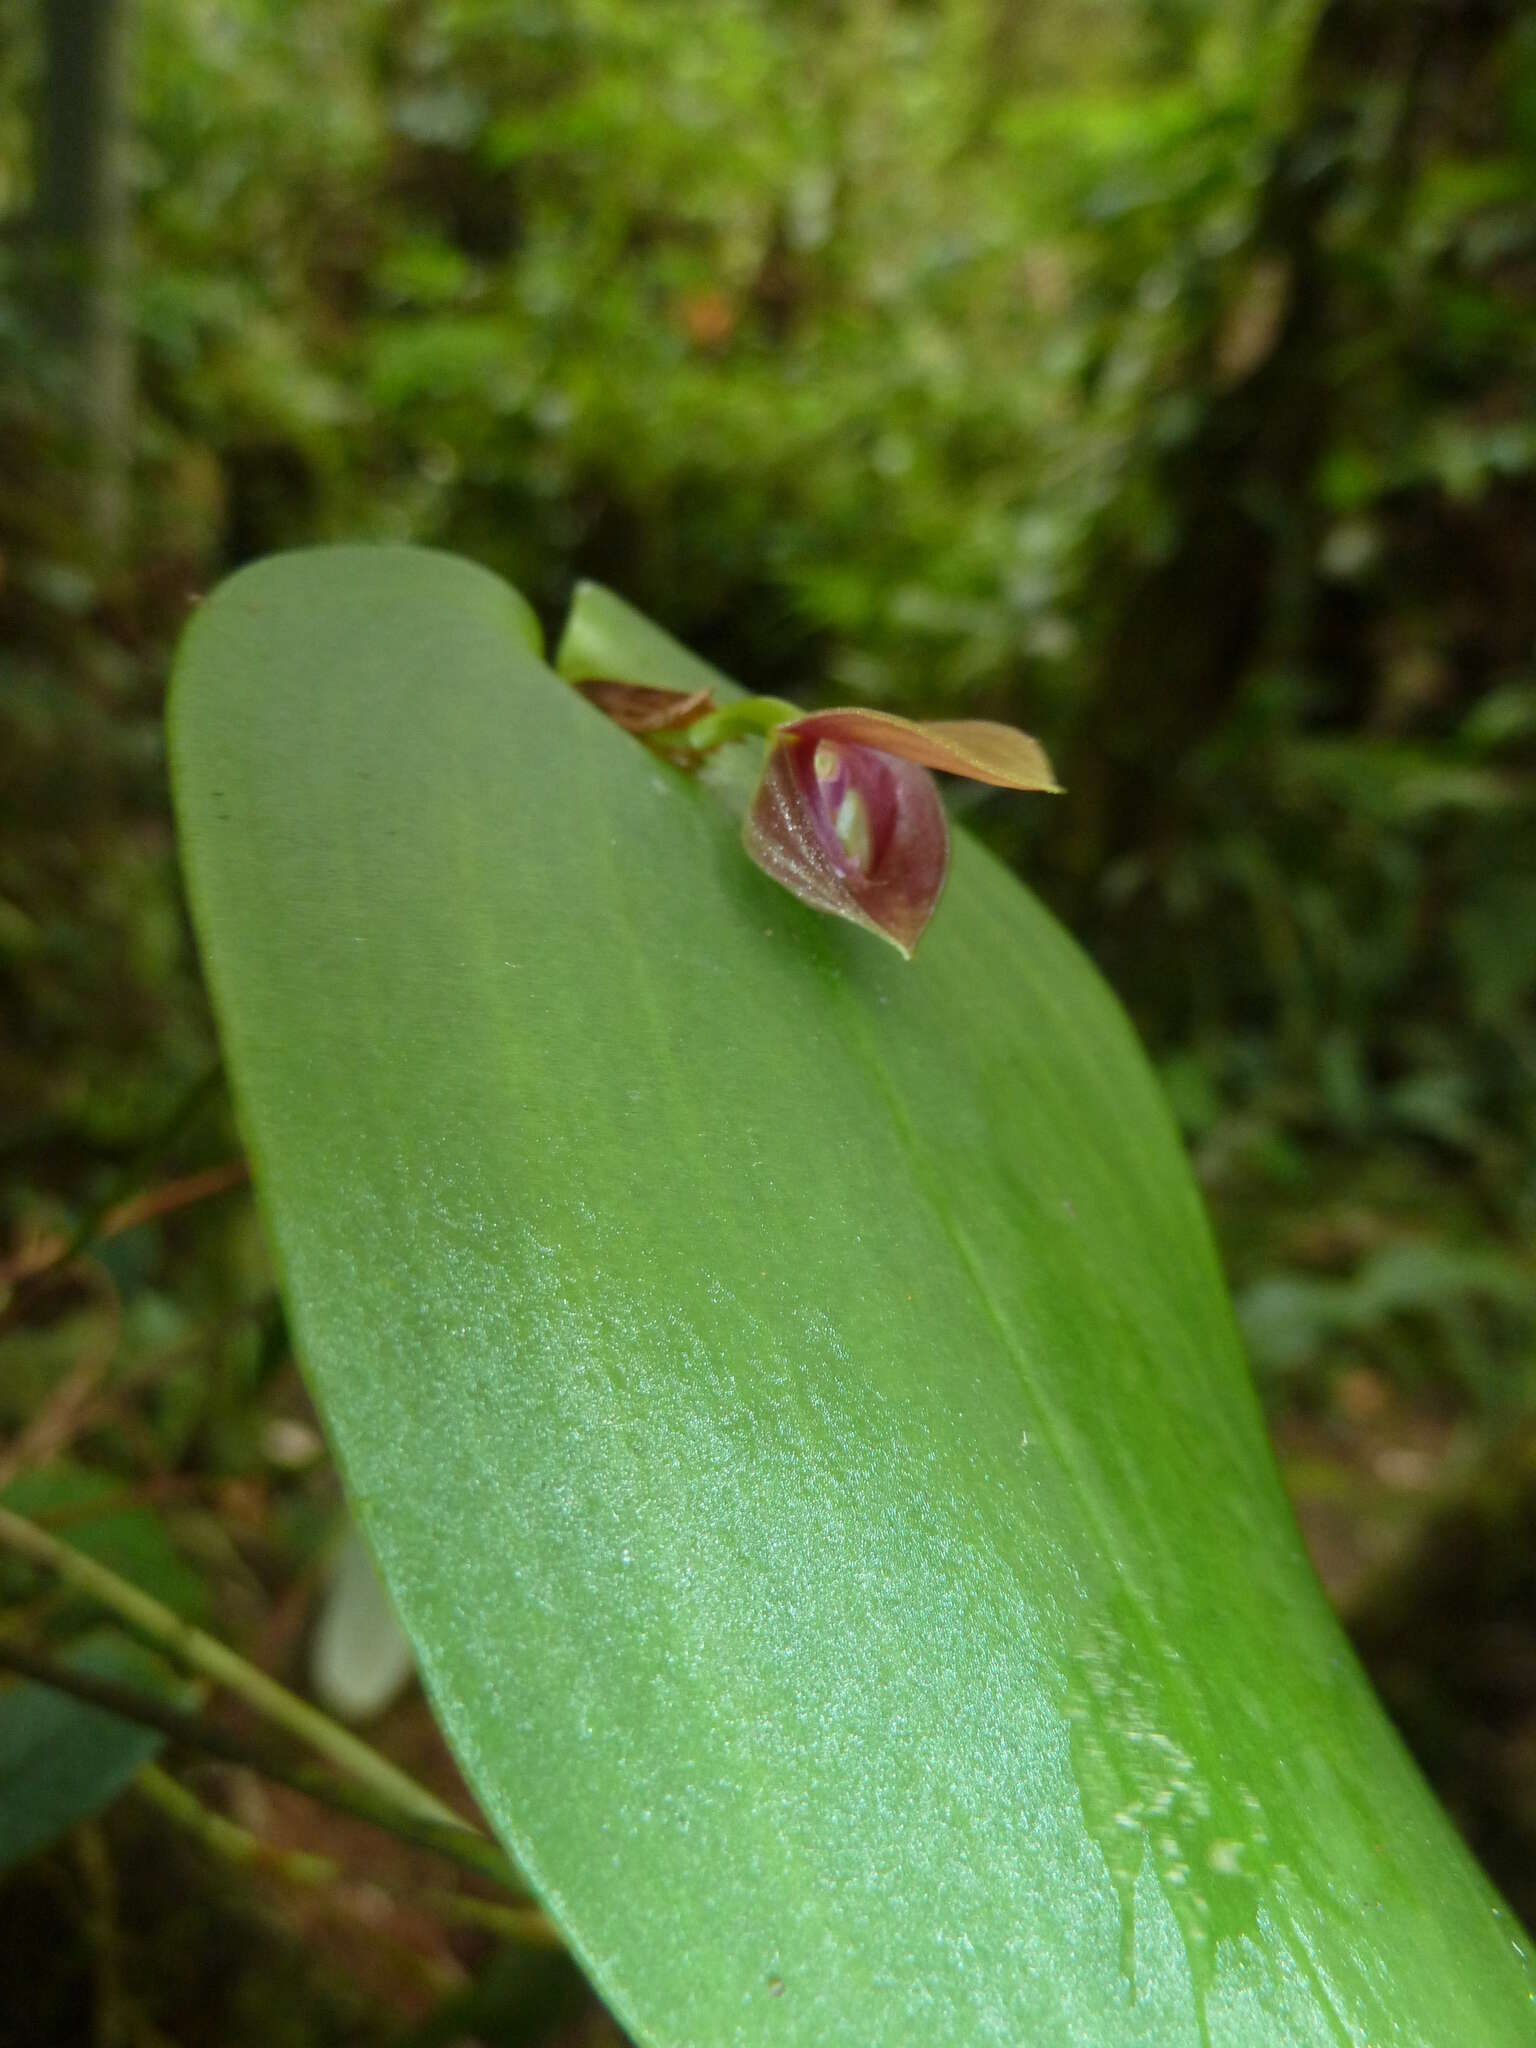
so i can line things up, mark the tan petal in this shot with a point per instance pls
(975, 747)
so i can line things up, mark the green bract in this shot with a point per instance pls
(790, 1393)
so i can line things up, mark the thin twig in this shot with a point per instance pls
(527, 1924)
(24, 1276)
(47, 1255)
(237, 1845)
(102, 1921)
(172, 1195)
(52, 1428)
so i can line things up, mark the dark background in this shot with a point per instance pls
(1157, 374)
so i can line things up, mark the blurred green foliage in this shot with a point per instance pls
(1156, 373)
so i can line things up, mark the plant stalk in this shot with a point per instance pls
(216, 1661)
(234, 1844)
(459, 1844)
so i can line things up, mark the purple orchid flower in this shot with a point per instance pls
(846, 815)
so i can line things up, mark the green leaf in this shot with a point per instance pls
(790, 1393)
(62, 1761)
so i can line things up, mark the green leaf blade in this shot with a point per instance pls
(61, 1761)
(790, 1393)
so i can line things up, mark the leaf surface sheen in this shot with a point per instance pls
(790, 1393)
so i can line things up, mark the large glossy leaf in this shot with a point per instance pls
(790, 1392)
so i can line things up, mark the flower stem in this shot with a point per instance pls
(234, 1844)
(738, 721)
(527, 1924)
(227, 1840)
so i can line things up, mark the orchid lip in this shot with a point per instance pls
(843, 804)
(851, 830)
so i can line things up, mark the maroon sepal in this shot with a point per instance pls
(640, 708)
(850, 830)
